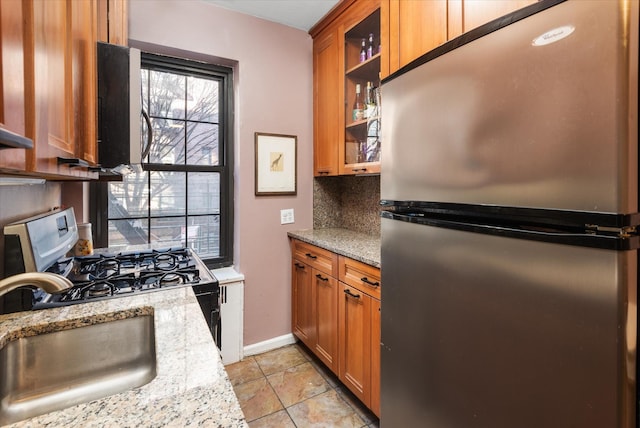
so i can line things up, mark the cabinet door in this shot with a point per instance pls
(354, 330)
(65, 85)
(326, 321)
(302, 314)
(326, 103)
(112, 22)
(465, 15)
(14, 15)
(415, 27)
(375, 357)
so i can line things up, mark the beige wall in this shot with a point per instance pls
(273, 93)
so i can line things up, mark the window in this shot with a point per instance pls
(182, 195)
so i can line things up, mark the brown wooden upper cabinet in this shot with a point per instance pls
(412, 28)
(48, 82)
(404, 30)
(340, 143)
(112, 22)
(14, 16)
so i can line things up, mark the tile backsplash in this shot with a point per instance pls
(350, 202)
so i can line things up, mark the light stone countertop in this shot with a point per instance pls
(355, 245)
(191, 387)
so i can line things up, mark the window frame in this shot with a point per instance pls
(99, 190)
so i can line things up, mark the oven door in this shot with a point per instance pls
(208, 296)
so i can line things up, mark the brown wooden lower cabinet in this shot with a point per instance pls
(336, 314)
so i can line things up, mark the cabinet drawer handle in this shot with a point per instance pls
(311, 256)
(73, 162)
(299, 265)
(321, 278)
(366, 281)
(349, 293)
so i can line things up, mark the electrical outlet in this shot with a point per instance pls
(286, 216)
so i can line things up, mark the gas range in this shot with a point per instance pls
(41, 244)
(108, 275)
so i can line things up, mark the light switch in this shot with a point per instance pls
(286, 216)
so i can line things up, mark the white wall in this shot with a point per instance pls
(273, 93)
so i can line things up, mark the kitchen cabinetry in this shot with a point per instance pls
(465, 15)
(315, 303)
(340, 142)
(336, 314)
(112, 22)
(359, 330)
(326, 90)
(412, 28)
(64, 37)
(14, 45)
(48, 89)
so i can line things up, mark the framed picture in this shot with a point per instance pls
(276, 164)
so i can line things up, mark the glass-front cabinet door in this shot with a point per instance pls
(361, 151)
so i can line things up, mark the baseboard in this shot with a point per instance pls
(270, 344)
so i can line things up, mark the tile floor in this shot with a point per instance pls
(290, 388)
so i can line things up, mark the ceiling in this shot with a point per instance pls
(302, 14)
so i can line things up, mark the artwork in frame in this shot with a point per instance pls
(276, 164)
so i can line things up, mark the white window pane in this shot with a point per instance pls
(167, 231)
(167, 95)
(168, 193)
(204, 193)
(127, 232)
(202, 99)
(129, 198)
(167, 145)
(203, 235)
(202, 144)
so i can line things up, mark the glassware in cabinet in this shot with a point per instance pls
(362, 131)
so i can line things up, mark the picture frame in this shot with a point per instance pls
(276, 164)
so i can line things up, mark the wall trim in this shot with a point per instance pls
(269, 345)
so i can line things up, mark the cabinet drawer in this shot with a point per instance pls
(316, 257)
(362, 276)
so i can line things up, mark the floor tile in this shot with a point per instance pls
(280, 359)
(290, 387)
(244, 371)
(297, 384)
(257, 399)
(326, 410)
(279, 419)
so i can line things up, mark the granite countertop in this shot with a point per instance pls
(355, 245)
(191, 386)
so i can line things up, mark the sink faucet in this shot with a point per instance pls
(50, 282)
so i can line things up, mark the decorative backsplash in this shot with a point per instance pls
(350, 202)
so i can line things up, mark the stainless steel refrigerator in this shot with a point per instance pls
(509, 188)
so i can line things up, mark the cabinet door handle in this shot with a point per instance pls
(299, 265)
(73, 162)
(321, 278)
(357, 170)
(311, 256)
(349, 293)
(366, 281)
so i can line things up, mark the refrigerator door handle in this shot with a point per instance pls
(585, 238)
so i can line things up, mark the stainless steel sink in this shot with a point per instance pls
(56, 370)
